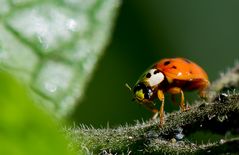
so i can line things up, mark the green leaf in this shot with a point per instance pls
(24, 128)
(53, 46)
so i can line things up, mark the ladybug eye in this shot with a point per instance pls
(138, 87)
(148, 92)
(141, 89)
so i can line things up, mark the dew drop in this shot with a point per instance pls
(71, 25)
(130, 137)
(50, 87)
(222, 141)
(179, 136)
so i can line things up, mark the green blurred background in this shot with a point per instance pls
(206, 32)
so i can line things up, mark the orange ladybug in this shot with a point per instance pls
(170, 75)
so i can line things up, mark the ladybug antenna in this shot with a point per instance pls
(126, 84)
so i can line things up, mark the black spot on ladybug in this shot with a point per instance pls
(166, 63)
(148, 75)
(187, 61)
(190, 71)
(174, 67)
(156, 71)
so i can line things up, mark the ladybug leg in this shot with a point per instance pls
(182, 103)
(161, 111)
(151, 107)
(202, 86)
(203, 90)
(155, 115)
(202, 94)
(177, 90)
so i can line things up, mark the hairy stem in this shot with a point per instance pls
(219, 114)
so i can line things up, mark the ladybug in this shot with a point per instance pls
(169, 75)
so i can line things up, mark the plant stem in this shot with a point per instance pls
(219, 115)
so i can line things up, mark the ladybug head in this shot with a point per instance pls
(143, 93)
(145, 88)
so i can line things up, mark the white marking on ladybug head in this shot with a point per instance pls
(154, 77)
